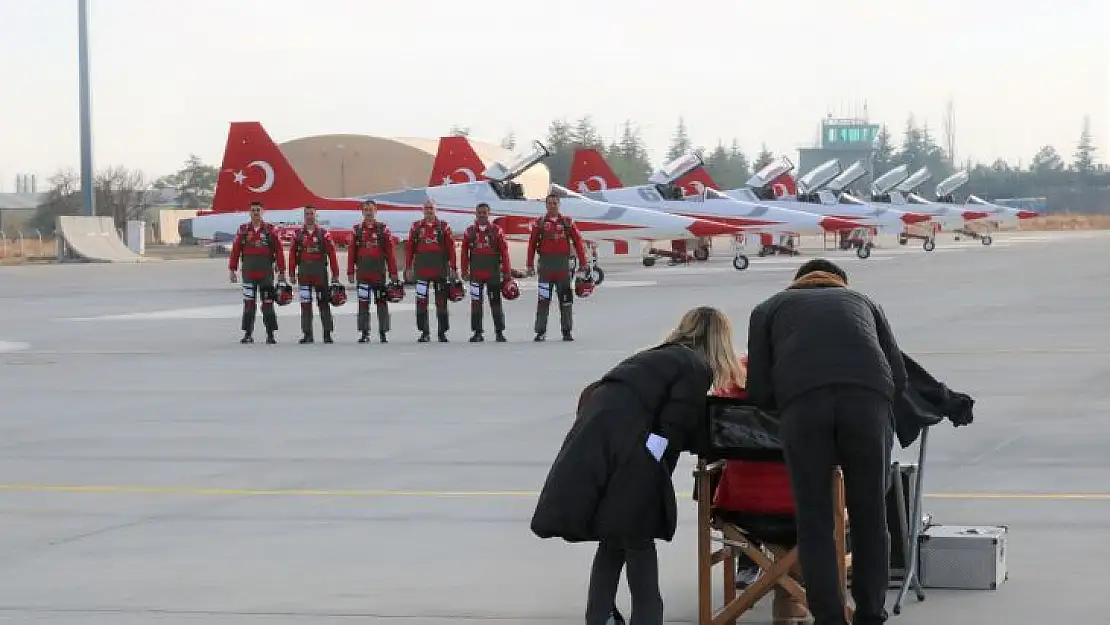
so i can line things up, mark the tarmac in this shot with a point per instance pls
(154, 470)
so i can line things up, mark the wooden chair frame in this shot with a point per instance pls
(777, 571)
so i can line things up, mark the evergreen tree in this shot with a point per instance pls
(763, 159)
(1084, 162)
(560, 141)
(884, 152)
(680, 142)
(739, 170)
(629, 157)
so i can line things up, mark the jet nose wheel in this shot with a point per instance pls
(929, 245)
(864, 250)
(740, 262)
(649, 261)
(986, 240)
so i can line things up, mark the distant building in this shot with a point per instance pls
(17, 209)
(847, 140)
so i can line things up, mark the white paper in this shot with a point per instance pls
(656, 445)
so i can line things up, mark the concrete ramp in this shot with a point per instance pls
(92, 239)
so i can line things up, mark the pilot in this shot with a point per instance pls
(368, 258)
(430, 259)
(485, 264)
(553, 237)
(307, 253)
(258, 244)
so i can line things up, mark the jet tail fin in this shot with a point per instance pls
(455, 162)
(785, 185)
(696, 182)
(590, 172)
(254, 169)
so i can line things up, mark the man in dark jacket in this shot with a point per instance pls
(825, 358)
(606, 486)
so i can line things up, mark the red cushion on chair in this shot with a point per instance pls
(753, 486)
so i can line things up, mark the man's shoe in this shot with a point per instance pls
(383, 339)
(424, 338)
(270, 340)
(306, 339)
(247, 338)
(567, 336)
(442, 337)
(477, 338)
(541, 337)
(501, 337)
(327, 337)
(365, 338)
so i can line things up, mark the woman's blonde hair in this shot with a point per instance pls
(708, 331)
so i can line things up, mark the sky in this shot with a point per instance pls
(169, 75)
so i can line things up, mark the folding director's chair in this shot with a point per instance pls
(755, 437)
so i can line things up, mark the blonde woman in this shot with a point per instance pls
(611, 481)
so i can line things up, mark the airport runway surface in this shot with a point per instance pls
(154, 470)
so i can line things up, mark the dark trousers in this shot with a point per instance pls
(319, 292)
(376, 291)
(853, 427)
(643, 583)
(492, 290)
(439, 292)
(254, 290)
(562, 291)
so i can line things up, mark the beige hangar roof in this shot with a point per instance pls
(348, 165)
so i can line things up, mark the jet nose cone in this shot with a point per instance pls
(971, 215)
(836, 224)
(705, 228)
(914, 218)
(1027, 214)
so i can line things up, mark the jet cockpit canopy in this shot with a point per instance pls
(919, 177)
(769, 173)
(677, 168)
(885, 183)
(563, 192)
(847, 177)
(517, 164)
(949, 185)
(819, 176)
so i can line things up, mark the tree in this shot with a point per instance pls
(680, 142)
(559, 141)
(1047, 160)
(61, 199)
(950, 130)
(121, 193)
(1084, 163)
(195, 182)
(884, 152)
(628, 156)
(509, 141)
(763, 159)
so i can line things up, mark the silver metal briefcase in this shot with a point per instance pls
(964, 557)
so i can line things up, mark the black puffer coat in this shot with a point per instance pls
(604, 484)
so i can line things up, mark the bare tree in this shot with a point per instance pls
(950, 130)
(122, 192)
(61, 199)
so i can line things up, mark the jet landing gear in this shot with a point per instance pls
(787, 246)
(929, 243)
(859, 238)
(985, 239)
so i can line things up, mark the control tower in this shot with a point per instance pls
(848, 140)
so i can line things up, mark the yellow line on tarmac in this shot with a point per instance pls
(435, 494)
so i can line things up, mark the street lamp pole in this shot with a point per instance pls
(87, 196)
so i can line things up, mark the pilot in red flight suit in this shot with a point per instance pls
(311, 245)
(258, 244)
(485, 263)
(552, 237)
(431, 260)
(368, 258)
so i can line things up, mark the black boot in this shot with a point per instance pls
(327, 337)
(246, 338)
(365, 337)
(477, 338)
(381, 335)
(270, 340)
(307, 338)
(500, 337)
(442, 325)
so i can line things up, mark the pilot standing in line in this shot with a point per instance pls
(258, 244)
(307, 254)
(431, 261)
(485, 263)
(553, 237)
(368, 258)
